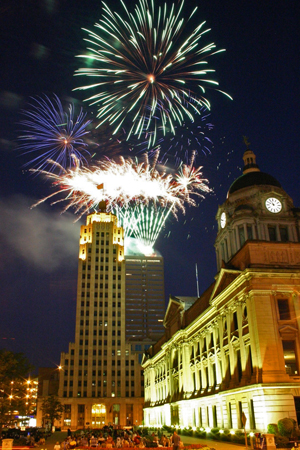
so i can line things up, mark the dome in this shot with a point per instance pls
(253, 179)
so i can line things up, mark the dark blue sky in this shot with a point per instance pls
(40, 38)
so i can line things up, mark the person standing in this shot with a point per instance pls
(176, 441)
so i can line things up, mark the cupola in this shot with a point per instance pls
(256, 209)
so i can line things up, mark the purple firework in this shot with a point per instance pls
(53, 134)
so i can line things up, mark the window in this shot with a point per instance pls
(249, 232)
(239, 365)
(229, 416)
(215, 418)
(290, 360)
(240, 415)
(283, 234)
(272, 233)
(284, 309)
(241, 235)
(235, 321)
(252, 415)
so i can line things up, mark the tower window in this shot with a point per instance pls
(283, 234)
(249, 232)
(272, 233)
(242, 235)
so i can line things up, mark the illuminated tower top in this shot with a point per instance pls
(87, 231)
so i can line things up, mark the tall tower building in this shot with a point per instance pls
(100, 381)
(145, 302)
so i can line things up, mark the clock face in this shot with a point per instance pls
(223, 220)
(273, 205)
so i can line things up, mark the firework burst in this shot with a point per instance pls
(53, 134)
(144, 72)
(140, 195)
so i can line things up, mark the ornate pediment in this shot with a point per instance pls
(174, 309)
(288, 329)
(225, 278)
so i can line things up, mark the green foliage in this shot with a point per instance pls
(238, 437)
(281, 441)
(52, 409)
(200, 434)
(14, 369)
(215, 433)
(186, 432)
(286, 427)
(226, 436)
(272, 428)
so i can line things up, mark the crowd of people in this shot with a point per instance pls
(113, 438)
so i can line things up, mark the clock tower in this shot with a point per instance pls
(256, 209)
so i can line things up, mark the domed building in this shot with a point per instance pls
(256, 209)
(234, 353)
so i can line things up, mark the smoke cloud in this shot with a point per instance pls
(40, 236)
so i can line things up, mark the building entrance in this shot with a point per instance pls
(98, 415)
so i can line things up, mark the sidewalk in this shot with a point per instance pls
(218, 445)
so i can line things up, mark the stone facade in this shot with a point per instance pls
(236, 349)
(100, 378)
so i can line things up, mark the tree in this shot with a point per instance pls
(14, 370)
(13, 367)
(52, 409)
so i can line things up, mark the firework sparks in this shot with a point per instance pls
(140, 195)
(146, 71)
(53, 134)
(190, 139)
(143, 222)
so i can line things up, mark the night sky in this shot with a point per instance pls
(39, 247)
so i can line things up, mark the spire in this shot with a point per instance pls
(249, 159)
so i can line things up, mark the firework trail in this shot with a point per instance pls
(53, 134)
(145, 71)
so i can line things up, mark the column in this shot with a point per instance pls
(187, 375)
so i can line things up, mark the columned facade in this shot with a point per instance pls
(236, 349)
(239, 355)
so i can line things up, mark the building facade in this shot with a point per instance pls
(235, 350)
(100, 378)
(145, 298)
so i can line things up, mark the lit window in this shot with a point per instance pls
(290, 359)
